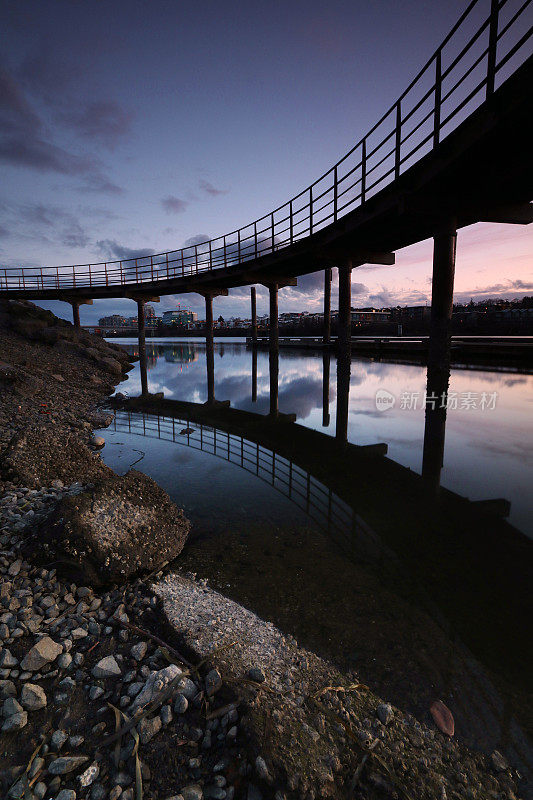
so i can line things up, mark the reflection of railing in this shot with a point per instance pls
(485, 45)
(310, 495)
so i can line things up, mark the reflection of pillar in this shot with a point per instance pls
(274, 349)
(344, 319)
(327, 306)
(343, 395)
(435, 427)
(76, 314)
(326, 359)
(254, 375)
(438, 372)
(254, 316)
(141, 328)
(274, 377)
(209, 348)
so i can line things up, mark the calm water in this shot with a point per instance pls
(488, 451)
(272, 535)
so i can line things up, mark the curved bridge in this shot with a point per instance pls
(454, 149)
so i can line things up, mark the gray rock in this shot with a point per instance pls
(66, 764)
(95, 692)
(10, 707)
(7, 660)
(256, 674)
(33, 697)
(7, 689)
(166, 715)
(192, 792)
(44, 652)
(213, 682)
(57, 740)
(15, 722)
(155, 683)
(98, 792)
(148, 728)
(181, 704)
(262, 769)
(66, 794)
(385, 713)
(138, 651)
(188, 688)
(107, 668)
(498, 761)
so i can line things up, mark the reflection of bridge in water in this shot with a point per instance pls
(437, 562)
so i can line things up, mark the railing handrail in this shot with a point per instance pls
(313, 210)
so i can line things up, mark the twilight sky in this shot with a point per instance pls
(132, 126)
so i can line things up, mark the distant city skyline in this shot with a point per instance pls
(108, 152)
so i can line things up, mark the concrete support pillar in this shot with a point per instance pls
(254, 375)
(141, 329)
(326, 362)
(438, 372)
(76, 314)
(254, 316)
(327, 306)
(344, 319)
(210, 348)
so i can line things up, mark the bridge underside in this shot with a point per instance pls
(483, 171)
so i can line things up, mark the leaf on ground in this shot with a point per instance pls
(442, 717)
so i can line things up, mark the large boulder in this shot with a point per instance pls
(123, 526)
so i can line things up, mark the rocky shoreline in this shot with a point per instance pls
(155, 686)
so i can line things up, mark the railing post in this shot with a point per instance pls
(398, 139)
(210, 255)
(90, 276)
(239, 246)
(335, 193)
(106, 278)
(363, 171)
(42, 281)
(225, 253)
(57, 276)
(438, 88)
(136, 271)
(182, 264)
(73, 276)
(493, 43)
(152, 267)
(291, 222)
(310, 210)
(166, 258)
(255, 238)
(272, 228)
(196, 257)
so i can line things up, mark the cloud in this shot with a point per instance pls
(26, 142)
(103, 120)
(209, 189)
(174, 205)
(199, 238)
(109, 248)
(45, 224)
(4, 232)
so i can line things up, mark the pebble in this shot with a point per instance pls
(107, 668)
(15, 722)
(89, 775)
(44, 652)
(66, 764)
(181, 704)
(33, 697)
(192, 792)
(385, 713)
(213, 682)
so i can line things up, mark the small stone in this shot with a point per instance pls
(181, 704)
(7, 660)
(213, 682)
(33, 697)
(15, 722)
(64, 661)
(166, 715)
(98, 442)
(138, 651)
(188, 688)
(256, 674)
(7, 689)
(262, 769)
(498, 761)
(148, 728)
(57, 740)
(65, 764)
(192, 792)
(66, 794)
(44, 652)
(90, 775)
(98, 792)
(39, 790)
(385, 713)
(95, 692)
(107, 668)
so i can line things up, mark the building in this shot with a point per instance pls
(113, 321)
(179, 316)
(417, 313)
(369, 315)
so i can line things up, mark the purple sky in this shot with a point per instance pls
(135, 126)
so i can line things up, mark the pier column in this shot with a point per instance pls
(327, 306)
(141, 330)
(254, 316)
(438, 371)
(76, 314)
(326, 362)
(273, 355)
(344, 319)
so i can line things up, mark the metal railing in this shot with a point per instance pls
(485, 46)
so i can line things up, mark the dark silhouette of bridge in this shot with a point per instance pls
(453, 150)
